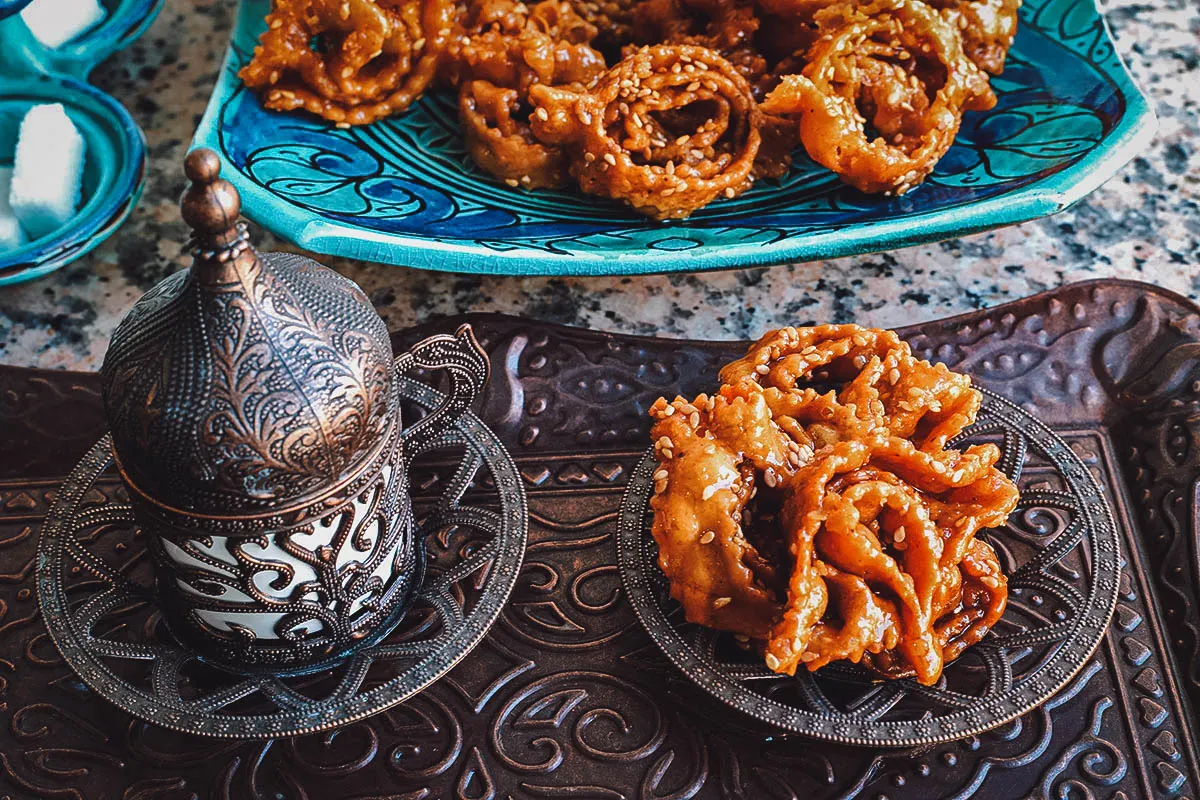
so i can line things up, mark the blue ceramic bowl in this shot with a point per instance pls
(113, 177)
(24, 55)
(404, 191)
(10, 7)
(116, 149)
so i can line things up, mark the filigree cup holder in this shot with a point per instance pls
(298, 590)
(255, 421)
(1059, 549)
(96, 590)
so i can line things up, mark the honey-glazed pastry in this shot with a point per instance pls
(502, 144)
(665, 105)
(882, 93)
(613, 19)
(988, 28)
(505, 48)
(514, 45)
(668, 130)
(349, 61)
(813, 504)
(725, 26)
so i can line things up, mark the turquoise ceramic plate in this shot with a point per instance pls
(404, 191)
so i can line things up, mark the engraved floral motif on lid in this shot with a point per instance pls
(248, 382)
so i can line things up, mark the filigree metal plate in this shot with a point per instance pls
(110, 633)
(1060, 550)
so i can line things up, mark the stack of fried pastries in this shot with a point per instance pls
(666, 105)
(825, 524)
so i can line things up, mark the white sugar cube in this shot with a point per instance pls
(47, 171)
(56, 22)
(11, 235)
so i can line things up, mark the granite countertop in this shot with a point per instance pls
(1144, 224)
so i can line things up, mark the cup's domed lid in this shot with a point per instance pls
(248, 383)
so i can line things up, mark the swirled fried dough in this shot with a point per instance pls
(505, 48)
(666, 105)
(349, 61)
(513, 45)
(501, 143)
(667, 130)
(709, 449)
(988, 28)
(727, 27)
(832, 524)
(612, 18)
(881, 95)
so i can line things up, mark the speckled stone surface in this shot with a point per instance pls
(1144, 224)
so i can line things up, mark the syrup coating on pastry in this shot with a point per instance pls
(832, 524)
(665, 105)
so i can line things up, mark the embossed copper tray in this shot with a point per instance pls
(567, 697)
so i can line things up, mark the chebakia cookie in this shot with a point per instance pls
(667, 130)
(664, 105)
(349, 61)
(814, 506)
(882, 92)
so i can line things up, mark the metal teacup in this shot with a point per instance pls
(256, 421)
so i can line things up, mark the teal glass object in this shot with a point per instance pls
(114, 170)
(115, 166)
(23, 54)
(404, 191)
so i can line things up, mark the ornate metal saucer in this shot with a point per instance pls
(1059, 549)
(94, 584)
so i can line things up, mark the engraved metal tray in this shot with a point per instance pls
(567, 697)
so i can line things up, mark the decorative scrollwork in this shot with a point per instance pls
(1075, 358)
(288, 370)
(548, 718)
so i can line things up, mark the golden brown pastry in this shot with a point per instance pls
(725, 26)
(504, 48)
(513, 45)
(875, 91)
(349, 61)
(832, 524)
(881, 95)
(501, 143)
(613, 19)
(988, 28)
(667, 130)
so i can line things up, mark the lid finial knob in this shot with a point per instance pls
(210, 205)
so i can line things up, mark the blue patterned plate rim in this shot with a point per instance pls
(101, 213)
(641, 247)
